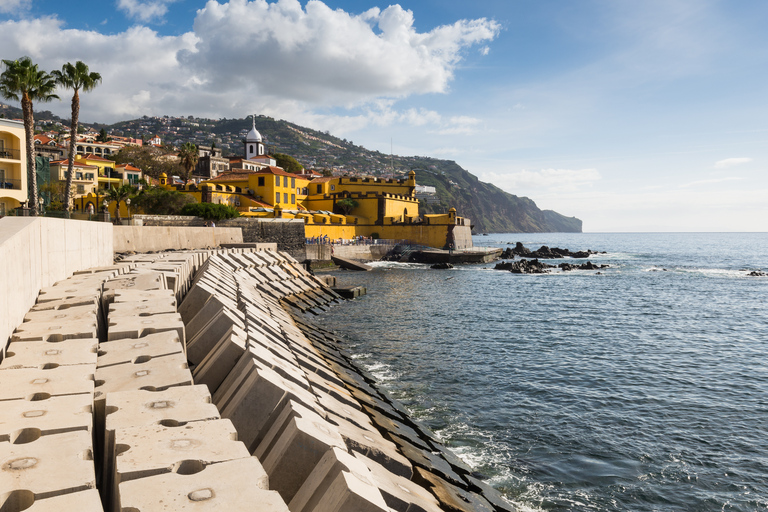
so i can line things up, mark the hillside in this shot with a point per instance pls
(490, 208)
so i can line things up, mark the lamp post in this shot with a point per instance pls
(105, 212)
(128, 204)
(42, 202)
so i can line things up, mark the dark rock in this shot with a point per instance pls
(441, 266)
(757, 273)
(524, 267)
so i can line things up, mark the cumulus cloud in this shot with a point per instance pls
(144, 11)
(13, 6)
(731, 162)
(276, 58)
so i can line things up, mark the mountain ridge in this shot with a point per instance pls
(489, 208)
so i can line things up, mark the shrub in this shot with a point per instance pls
(210, 211)
(160, 201)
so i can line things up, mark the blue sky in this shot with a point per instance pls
(633, 116)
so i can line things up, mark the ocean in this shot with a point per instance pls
(642, 388)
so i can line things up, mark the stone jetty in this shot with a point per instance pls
(196, 380)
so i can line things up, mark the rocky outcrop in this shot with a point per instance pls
(545, 253)
(535, 266)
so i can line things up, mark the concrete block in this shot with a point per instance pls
(54, 415)
(62, 293)
(215, 367)
(200, 293)
(249, 400)
(156, 449)
(400, 494)
(295, 443)
(137, 350)
(451, 497)
(215, 305)
(225, 486)
(83, 501)
(129, 295)
(87, 312)
(145, 308)
(36, 354)
(339, 483)
(432, 462)
(137, 327)
(132, 281)
(64, 303)
(220, 327)
(56, 330)
(285, 368)
(48, 466)
(40, 384)
(158, 373)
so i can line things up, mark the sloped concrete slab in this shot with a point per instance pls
(34, 383)
(134, 350)
(400, 494)
(54, 415)
(136, 327)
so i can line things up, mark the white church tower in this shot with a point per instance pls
(254, 147)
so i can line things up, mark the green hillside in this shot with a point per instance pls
(488, 207)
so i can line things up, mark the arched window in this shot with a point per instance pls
(250, 150)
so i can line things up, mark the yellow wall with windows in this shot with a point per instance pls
(13, 165)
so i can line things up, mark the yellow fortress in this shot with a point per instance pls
(334, 207)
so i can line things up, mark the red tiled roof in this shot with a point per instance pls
(230, 176)
(127, 167)
(322, 180)
(277, 171)
(91, 156)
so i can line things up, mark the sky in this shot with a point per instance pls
(632, 116)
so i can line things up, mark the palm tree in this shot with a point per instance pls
(119, 195)
(189, 156)
(23, 81)
(74, 76)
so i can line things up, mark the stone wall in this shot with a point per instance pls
(353, 252)
(37, 252)
(288, 234)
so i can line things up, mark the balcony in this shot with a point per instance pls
(10, 154)
(10, 184)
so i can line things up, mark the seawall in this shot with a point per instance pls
(198, 378)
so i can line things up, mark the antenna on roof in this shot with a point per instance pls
(254, 120)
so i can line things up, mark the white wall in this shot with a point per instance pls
(36, 252)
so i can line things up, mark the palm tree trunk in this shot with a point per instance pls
(29, 131)
(72, 144)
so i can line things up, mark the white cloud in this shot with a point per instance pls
(731, 162)
(144, 11)
(14, 6)
(276, 58)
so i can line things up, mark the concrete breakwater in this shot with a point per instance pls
(194, 380)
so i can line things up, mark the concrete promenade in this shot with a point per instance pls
(194, 380)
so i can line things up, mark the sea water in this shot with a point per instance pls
(644, 387)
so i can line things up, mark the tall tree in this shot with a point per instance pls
(23, 81)
(189, 156)
(76, 77)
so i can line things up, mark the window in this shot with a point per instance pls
(319, 189)
(293, 198)
(277, 181)
(293, 182)
(333, 187)
(261, 181)
(78, 175)
(250, 149)
(277, 197)
(89, 176)
(81, 189)
(285, 198)
(285, 181)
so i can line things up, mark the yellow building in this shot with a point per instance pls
(337, 207)
(13, 165)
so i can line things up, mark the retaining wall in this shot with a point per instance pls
(36, 252)
(157, 238)
(354, 252)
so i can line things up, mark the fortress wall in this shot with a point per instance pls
(36, 252)
(158, 238)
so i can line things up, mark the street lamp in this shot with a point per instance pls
(128, 204)
(105, 203)
(42, 202)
